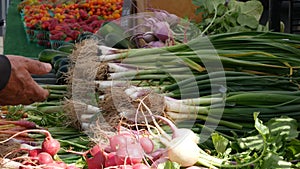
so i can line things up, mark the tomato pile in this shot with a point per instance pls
(65, 22)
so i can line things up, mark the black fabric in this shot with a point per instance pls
(5, 70)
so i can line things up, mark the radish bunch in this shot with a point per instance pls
(42, 157)
(125, 150)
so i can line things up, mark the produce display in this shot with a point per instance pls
(163, 93)
(52, 23)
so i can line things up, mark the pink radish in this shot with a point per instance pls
(34, 152)
(44, 158)
(50, 145)
(130, 154)
(121, 140)
(147, 144)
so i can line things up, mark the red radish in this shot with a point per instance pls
(121, 140)
(147, 144)
(34, 152)
(140, 166)
(44, 158)
(50, 145)
(95, 150)
(111, 159)
(130, 154)
(96, 162)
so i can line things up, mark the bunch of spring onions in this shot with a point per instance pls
(222, 79)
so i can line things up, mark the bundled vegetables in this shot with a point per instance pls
(208, 87)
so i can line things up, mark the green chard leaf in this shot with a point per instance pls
(251, 142)
(247, 20)
(260, 127)
(284, 127)
(220, 142)
(274, 161)
(252, 8)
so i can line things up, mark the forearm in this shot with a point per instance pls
(5, 71)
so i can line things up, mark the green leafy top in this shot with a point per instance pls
(235, 16)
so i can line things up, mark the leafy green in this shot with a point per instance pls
(235, 16)
(220, 142)
(252, 8)
(276, 141)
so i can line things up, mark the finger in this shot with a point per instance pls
(38, 94)
(41, 94)
(37, 67)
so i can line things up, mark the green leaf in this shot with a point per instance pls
(252, 8)
(220, 142)
(274, 161)
(285, 127)
(211, 5)
(231, 19)
(251, 142)
(292, 150)
(260, 127)
(168, 165)
(221, 9)
(235, 5)
(247, 20)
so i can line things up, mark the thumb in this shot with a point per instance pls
(37, 67)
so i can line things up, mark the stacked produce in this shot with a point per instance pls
(52, 23)
(163, 95)
(247, 100)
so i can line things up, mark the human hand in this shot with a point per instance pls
(21, 88)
